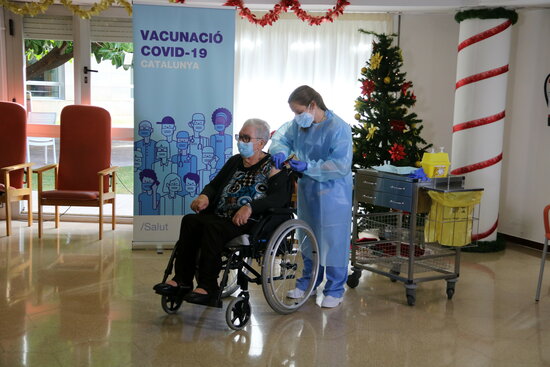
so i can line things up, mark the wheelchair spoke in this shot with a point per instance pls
(284, 264)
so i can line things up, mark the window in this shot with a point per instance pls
(48, 85)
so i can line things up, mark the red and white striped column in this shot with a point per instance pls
(479, 112)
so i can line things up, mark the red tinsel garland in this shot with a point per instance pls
(273, 15)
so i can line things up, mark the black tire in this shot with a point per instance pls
(237, 314)
(283, 264)
(171, 304)
(353, 280)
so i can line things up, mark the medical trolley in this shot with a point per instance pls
(416, 231)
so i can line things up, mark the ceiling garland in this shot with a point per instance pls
(86, 12)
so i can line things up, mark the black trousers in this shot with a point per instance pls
(209, 234)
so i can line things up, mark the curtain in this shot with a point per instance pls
(272, 61)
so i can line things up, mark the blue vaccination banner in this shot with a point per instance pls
(183, 107)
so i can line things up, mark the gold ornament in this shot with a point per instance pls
(372, 131)
(387, 80)
(418, 164)
(375, 60)
(40, 7)
(31, 9)
(363, 70)
(358, 116)
(413, 126)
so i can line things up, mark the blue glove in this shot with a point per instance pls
(278, 159)
(297, 166)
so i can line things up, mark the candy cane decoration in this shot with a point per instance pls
(479, 114)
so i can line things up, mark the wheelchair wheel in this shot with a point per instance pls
(237, 314)
(231, 285)
(171, 304)
(284, 263)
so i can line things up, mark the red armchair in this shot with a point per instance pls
(84, 176)
(15, 174)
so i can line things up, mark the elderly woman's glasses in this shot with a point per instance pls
(244, 138)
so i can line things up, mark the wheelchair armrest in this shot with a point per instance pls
(281, 211)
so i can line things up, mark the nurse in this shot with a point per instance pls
(322, 144)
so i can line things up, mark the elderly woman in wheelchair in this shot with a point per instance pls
(247, 196)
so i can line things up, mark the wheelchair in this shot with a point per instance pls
(278, 243)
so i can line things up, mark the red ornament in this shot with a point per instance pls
(404, 88)
(398, 125)
(397, 152)
(367, 87)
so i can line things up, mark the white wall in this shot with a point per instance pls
(429, 50)
(526, 163)
(429, 46)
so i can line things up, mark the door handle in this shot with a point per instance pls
(86, 70)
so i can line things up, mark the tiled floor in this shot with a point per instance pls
(71, 300)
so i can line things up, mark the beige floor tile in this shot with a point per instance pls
(71, 300)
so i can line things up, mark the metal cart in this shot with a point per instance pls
(417, 240)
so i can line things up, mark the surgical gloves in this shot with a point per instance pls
(278, 159)
(298, 166)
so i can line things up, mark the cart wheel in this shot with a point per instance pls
(451, 288)
(450, 293)
(394, 272)
(411, 296)
(171, 304)
(237, 314)
(353, 279)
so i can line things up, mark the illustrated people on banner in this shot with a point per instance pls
(138, 160)
(221, 142)
(209, 160)
(162, 165)
(191, 189)
(171, 203)
(167, 129)
(184, 161)
(197, 142)
(146, 145)
(148, 198)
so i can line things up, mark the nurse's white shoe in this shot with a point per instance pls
(297, 293)
(331, 302)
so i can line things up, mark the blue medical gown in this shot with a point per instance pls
(325, 190)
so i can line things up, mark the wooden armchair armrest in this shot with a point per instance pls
(112, 181)
(45, 168)
(16, 167)
(40, 171)
(108, 170)
(4, 171)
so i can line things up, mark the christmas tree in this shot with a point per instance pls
(387, 131)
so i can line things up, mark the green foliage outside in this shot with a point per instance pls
(387, 130)
(44, 55)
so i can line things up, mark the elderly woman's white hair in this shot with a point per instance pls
(261, 127)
